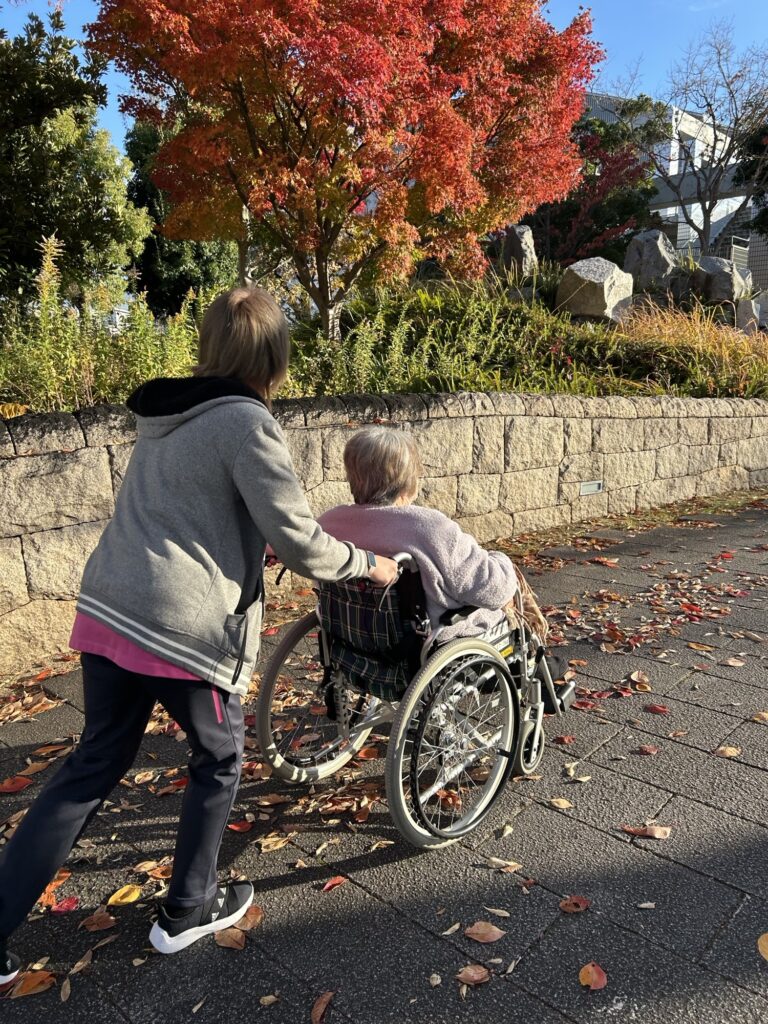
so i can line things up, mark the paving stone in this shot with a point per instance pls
(719, 782)
(715, 844)
(704, 728)
(735, 954)
(87, 1004)
(752, 737)
(68, 687)
(60, 722)
(730, 698)
(644, 983)
(571, 858)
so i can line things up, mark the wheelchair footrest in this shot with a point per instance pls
(566, 694)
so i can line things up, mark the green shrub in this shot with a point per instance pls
(54, 356)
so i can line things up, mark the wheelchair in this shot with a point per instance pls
(464, 714)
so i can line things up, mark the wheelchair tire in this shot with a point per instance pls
(434, 733)
(294, 760)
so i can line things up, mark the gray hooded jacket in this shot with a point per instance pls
(178, 570)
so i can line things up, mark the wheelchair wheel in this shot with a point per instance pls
(531, 748)
(296, 735)
(452, 744)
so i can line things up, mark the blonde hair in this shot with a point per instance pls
(382, 465)
(244, 334)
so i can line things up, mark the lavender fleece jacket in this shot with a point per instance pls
(454, 569)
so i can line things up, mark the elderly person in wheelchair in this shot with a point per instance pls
(452, 655)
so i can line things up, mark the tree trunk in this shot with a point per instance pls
(330, 317)
(242, 261)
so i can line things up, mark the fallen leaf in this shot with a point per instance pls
(128, 894)
(272, 799)
(640, 679)
(762, 945)
(162, 872)
(734, 662)
(560, 802)
(14, 784)
(648, 831)
(83, 962)
(484, 931)
(452, 929)
(497, 911)
(66, 990)
(502, 865)
(647, 749)
(646, 906)
(435, 980)
(728, 751)
(574, 904)
(695, 646)
(677, 733)
(251, 919)
(32, 982)
(269, 1000)
(240, 826)
(66, 906)
(35, 767)
(593, 976)
(563, 740)
(473, 974)
(230, 938)
(199, 1005)
(145, 866)
(656, 709)
(141, 777)
(368, 754)
(761, 716)
(334, 883)
(320, 1006)
(98, 922)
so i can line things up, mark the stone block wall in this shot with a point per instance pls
(501, 464)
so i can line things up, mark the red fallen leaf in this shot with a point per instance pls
(602, 694)
(646, 749)
(578, 662)
(593, 976)
(648, 831)
(47, 899)
(573, 613)
(656, 709)
(161, 872)
(677, 734)
(584, 705)
(14, 784)
(473, 974)
(574, 904)
(320, 1006)
(334, 883)
(271, 631)
(252, 918)
(368, 754)
(602, 560)
(623, 691)
(563, 740)
(240, 826)
(45, 674)
(174, 787)
(66, 906)
(725, 554)
(250, 720)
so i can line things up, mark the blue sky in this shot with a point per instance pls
(651, 32)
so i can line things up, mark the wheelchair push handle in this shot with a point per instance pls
(405, 561)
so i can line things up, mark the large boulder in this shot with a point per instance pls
(718, 280)
(519, 252)
(596, 288)
(650, 259)
(748, 316)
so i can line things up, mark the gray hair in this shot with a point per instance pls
(382, 464)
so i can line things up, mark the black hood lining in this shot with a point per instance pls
(170, 396)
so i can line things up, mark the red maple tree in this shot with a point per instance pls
(358, 134)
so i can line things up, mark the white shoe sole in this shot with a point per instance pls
(165, 943)
(6, 979)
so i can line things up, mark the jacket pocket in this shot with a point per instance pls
(235, 631)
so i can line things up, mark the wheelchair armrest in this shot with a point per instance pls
(453, 615)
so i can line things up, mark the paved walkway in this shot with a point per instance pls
(673, 922)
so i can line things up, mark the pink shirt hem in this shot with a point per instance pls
(91, 637)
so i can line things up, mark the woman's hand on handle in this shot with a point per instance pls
(384, 572)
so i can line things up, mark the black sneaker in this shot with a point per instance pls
(10, 965)
(175, 929)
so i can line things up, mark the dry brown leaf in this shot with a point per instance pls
(273, 799)
(98, 922)
(503, 865)
(452, 929)
(574, 904)
(127, 894)
(66, 990)
(734, 662)
(269, 1000)
(728, 751)
(484, 931)
(497, 911)
(145, 866)
(230, 938)
(251, 919)
(473, 974)
(83, 962)
(320, 1006)
(648, 831)
(761, 716)
(35, 767)
(435, 980)
(593, 976)
(561, 803)
(762, 945)
(30, 983)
